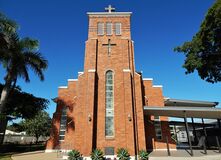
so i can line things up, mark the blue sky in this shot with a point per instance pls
(157, 27)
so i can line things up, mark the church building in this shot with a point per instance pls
(104, 107)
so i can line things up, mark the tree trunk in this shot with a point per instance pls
(37, 137)
(4, 95)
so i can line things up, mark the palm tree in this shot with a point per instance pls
(7, 27)
(17, 58)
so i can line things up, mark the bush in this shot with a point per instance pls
(97, 154)
(74, 155)
(123, 154)
(143, 155)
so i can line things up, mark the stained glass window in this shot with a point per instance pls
(109, 115)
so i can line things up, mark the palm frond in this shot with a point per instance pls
(29, 44)
(37, 59)
(36, 62)
(23, 72)
(7, 25)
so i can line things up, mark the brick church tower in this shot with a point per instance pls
(103, 108)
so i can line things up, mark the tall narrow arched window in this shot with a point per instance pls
(63, 123)
(109, 95)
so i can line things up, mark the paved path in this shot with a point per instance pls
(184, 155)
(35, 156)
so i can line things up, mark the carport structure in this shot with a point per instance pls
(187, 109)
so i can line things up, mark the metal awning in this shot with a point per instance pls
(188, 103)
(181, 112)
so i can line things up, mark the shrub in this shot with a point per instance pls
(97, 154)
(123, 154)
(74, 155)
(143, 155)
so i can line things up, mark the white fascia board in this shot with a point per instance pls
(72, 80)
(109, 14)
(157, 86)
(147, 79)
(63, 87)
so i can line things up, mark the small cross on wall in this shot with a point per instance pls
(109, 9)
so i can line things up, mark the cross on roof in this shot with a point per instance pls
(109, 8)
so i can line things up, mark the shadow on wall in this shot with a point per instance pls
(53, 142)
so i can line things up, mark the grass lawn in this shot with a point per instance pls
(6, 150)
(5, 157)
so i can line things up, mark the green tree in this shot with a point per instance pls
(23, 105)
(16, 127)
(38, 125)
(203, 53)
(17, 57)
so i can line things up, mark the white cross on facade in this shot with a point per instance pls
(109, 46)
(109, 9)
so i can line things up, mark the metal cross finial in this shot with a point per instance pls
(109, 9)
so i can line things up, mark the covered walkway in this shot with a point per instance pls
(189, 109)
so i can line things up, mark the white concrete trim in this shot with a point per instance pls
(109, 14)
(126, 70)
(80, 73)
(157, 86)
(147, 79)
(91, 70)
(72, 80)
(63, 87)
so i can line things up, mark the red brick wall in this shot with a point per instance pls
(154, 97)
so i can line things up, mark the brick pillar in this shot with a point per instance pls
(128, 108)
(90, 138)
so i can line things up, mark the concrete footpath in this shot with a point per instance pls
(185, 155)
(39, 155)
